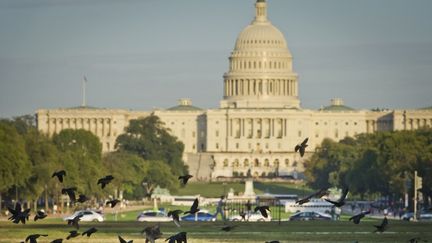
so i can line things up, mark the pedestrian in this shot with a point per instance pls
(219, 208)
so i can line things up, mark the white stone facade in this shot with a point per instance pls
(259, 121)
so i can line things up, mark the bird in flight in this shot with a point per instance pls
(341, 201)
(194, 208)
(184, 179)
(263, 210)
(70, 192)
(273, 241)
(60, 174)
(112, 202)
(89, 231)
(152, 233)
(301, 147)
(356, 218)
(18, 215)
(382, 227)
(57, 241)
(82, 198)
(74, 221)
(40, 215)
(318, 194)
(123, 240)
(177, 238)
(175, 216)
(32, 238)
(105, 180)
(72, 234)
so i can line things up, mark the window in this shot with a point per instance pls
(237, 145)
(286, 162)
(256, 163)
(266, 163)
(225, 163)
(217, 133)
(246, 163)
(299, 133)
(217, 145)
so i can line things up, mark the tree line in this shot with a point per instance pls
(375, 165)
(146, 156)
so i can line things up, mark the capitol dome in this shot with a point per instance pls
(260, 71)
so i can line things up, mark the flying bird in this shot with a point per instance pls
(89, 231)
(123, 240)
(57, 241)
(74, 221)
(194, 208)
(72, 234)
(40, 215)
(382, 227)
(341, 201)
(60, 174)
(70, 192)
(32, 238)
(177, 238)
(152, 233)
(105, 180)
(301, 147)
(82, 198)
(318, 194)
(356, 218)
(18, 215)
(228, 228)
(184, 179)
(263, 210)
(273, 241)
(112, 202)
(175, 216)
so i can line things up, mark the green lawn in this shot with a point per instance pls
(318, 231)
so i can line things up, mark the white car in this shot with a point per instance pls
(87, 215)
(153, 216)
(252, 217)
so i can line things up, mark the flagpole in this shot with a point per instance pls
(84, 91)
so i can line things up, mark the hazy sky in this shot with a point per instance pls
(142, 54)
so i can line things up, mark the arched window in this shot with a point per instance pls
(276, 163)
(246, 163)
(225, 163)
(256, 163)
(236, 163)
(266, 163)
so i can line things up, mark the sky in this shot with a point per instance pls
(147, 54)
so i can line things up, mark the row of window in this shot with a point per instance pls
(336, 123)
(257, 163)
(253, 87)
(246, 65)
(261, 42)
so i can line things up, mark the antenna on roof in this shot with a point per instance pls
(84, 82)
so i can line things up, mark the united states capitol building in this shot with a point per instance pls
(259, 121)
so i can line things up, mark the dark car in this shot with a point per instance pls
(310, 216)
(200, 216)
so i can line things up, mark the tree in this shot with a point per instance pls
(159, 173)
(149, 139)
(14, 162)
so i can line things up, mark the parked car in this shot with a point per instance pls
(422, 216)
(87, 215)
(310, 216)
(253, 217)
(153, 216)
(200, 216)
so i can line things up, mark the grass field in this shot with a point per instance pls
(318, 231)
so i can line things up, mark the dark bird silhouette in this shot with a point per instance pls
(40, 215)
(301, 147)
(72, 234)
(318, 194)
(341, 201)
(194, 208)
(70, 192)
(112, 202)
(152, 233)
(105, 180)
(228, 228)
(123, 240)
(356, 218)
(273, 241)
(416, 240)
(263, 210)
(74, 221)
(89, 231)
(59, 175)
(18, 215)
(32, 238)
(82, 198)
(243, 215)
(184, 179)
(57, 241)
(177, 238)
(175, 216)
(382, 227)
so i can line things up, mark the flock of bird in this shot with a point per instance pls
(152, 233)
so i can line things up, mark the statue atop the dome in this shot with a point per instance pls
(261, 1)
